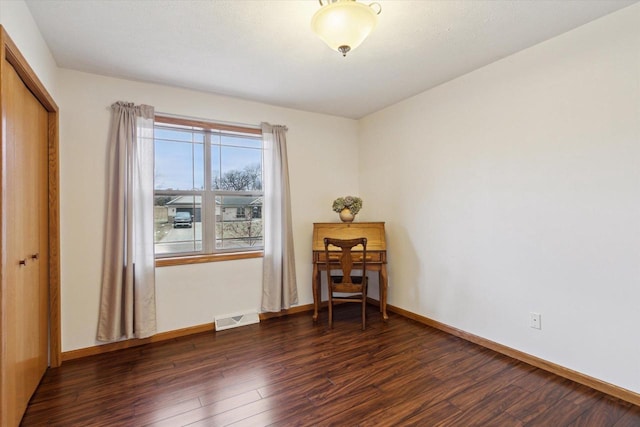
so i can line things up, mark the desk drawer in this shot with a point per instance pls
(376, 257)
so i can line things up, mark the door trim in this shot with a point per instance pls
(10, 53)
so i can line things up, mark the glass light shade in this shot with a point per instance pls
(344, 23)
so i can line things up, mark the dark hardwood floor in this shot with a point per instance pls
(290, 372)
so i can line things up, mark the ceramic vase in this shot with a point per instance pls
(346, 215)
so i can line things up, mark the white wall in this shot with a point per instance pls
(322, 152)
(516, 188)
(16, 18)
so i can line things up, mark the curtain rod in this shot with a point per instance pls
(220, 122)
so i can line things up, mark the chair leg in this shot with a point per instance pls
(330, 310)
(364, 311)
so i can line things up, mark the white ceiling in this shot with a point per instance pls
(265, 50)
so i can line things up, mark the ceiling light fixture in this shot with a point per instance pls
(344, 24)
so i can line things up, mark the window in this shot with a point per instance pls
(208, 188)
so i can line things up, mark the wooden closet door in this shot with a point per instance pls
(25, 317)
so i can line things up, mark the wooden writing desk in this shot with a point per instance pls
(376, 254)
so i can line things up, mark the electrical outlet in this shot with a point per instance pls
(535, 320)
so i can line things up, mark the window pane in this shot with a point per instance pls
(239, 222)
(215, 167)
(177, 224)
(241, 141)
(185, 135)
(198, 169)
(240, 169)
(178, 165)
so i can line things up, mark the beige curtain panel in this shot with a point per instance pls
(279, 288)
(127, 304)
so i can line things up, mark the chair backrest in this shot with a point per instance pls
(346, 260)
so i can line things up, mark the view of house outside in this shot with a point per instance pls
(191, 217)
(238, 223)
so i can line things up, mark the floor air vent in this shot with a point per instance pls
(229, 321)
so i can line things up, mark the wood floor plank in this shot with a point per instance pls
(439, 414)
(631, 418)
(290, 371)
(470, 397)
(395, 409)
(149, 414)
(276, 414)
(546, 401)
(226, 406)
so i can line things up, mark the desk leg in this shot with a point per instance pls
(383, 291)
(315, 284)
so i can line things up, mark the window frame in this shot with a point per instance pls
(209, 252)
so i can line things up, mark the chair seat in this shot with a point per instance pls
(354, 279)
(355, 287)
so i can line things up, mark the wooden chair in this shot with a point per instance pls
(349, 288)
